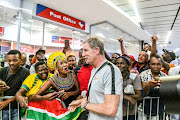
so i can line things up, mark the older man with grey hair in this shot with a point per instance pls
(104, 100)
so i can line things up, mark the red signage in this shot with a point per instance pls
(57, 39)
(1, 31)
(59, 17)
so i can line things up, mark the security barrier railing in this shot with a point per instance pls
(140, 110)
(1, 112)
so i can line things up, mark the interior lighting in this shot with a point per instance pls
(120, 11)
(31, 21)
(168, 36)
(100, 35)
(176, 49)
(133, 3)
(113, 39)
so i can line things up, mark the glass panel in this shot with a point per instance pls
(109, 34)
(8, 26)
(55, 36)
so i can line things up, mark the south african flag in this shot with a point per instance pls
(50, 110)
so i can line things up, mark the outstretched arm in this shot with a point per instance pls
(3, 104)
(20, 97)
(153, 47)
(153, 52)
(109, 107)
(122, 46)
(40, 94)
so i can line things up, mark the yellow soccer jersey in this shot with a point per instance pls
(33, 83)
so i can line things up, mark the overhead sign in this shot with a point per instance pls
(57, 39)
(1, 31)
(59, 17)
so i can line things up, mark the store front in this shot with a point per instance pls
(28, 29)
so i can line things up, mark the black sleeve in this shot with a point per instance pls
(77, 69)
(26, 74)
(2, 73)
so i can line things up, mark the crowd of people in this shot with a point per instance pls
(106, 88)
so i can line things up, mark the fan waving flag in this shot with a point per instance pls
(50, 110)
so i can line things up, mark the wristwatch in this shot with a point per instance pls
(85, 104)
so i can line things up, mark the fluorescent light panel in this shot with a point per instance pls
(168, 36)
(176, 49)
(120, 10)
(133, 3)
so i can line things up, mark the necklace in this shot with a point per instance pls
(63, 83)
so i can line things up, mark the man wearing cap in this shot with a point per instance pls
(132, 60)
(40, 56)
(131, 87)
(167, 57)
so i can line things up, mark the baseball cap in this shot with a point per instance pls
(127, 61)
(43, 51)
(171, 53)
(131, 56)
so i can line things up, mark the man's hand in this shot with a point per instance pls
(134, 71)
(75, 104)
(51, 96)
(22, 101)
(82, 103)
(65, 49)
(65, 95)
(154, 38)
(153, 83)
(132, 101)
(120, 39)
(3, 104)
(4, 88)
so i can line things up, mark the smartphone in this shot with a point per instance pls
(61, 92)
(66, 42)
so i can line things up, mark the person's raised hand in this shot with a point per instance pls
(120, 39)
(154, 38)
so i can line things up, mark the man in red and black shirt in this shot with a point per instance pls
(83, 73)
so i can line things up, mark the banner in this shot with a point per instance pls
(59, 17)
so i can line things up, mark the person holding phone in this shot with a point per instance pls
(12, 78)
(151, 87)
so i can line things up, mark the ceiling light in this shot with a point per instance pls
(168, 36)
(107, 27)
(120, 10)
(176, 49)
(30, 20)
(133, 3)
(113, 39)
(100, 35)
(51, 26)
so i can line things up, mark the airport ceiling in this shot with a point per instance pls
(157, 16)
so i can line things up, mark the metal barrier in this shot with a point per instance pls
(139, 110)
(1, 113)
